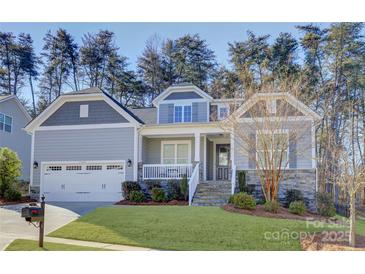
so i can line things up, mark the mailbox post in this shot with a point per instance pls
(41, 224)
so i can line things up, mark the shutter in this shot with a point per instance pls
(292, 151)
(252, 152)
(195, 112)
(213, 113)
(170, 113)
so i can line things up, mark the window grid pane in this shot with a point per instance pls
(178, 114)
(187, 113)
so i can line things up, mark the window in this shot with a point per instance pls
(54, 168)
(182, 114)
(6, 123)
(111, 167)
(175, 152)
(271, 106)
(93, 167)
(84, 111)
(272, 143)
(73, 167)
(222, 112)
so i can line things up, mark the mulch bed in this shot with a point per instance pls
(22, 200)
(331, 241)
(283, 213)
(149, 203)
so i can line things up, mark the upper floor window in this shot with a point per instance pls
(84, 111)
(182, 113)
(6, 123)
(222, 112)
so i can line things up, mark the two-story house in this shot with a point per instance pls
(13, 118)
(85, 144)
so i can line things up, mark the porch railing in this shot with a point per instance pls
(233, 179)
(166, 171)
(193, 183)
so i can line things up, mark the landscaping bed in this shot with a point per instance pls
(333, 241)
(153, 203)
(283, 213)
(22, 200)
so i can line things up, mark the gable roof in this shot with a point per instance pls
(147, 115)
(292, 100)
(181, 87)
(4, 98)
(86, 94)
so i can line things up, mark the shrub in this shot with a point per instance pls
(325, 205)
(10, 169)
(129, 186)
(293, 195)
(271, 206)
(297, 207)
(242, 181)
(184, 187)
(12, 194)
(244, 200)
(136, 196)
(153, 184)
(158, 195)
(173, 190)
(231, 199)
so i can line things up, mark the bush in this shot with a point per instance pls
(244, 200)
(297, 207)
(184, 187)
(271, 206)
(242, 181)
(158, 195)
(173, 190)
(153, 184)
(293, 195)
(11, 194)
(136, 196)
(128, 187)
(325, 205)
(10, 169)
(231, 199)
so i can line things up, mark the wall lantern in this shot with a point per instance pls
(35, 164)
(129, 163)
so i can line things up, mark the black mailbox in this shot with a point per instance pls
(33, 213)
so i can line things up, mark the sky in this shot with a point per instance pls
(131, 37)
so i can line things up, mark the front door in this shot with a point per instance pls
(222, 160)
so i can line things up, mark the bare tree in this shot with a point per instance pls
(267, 131)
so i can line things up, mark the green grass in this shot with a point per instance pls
(181, 228)
(360, 227)
(30, 245)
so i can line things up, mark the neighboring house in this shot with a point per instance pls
(85, 143)
(13, 118)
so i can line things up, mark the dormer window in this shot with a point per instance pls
(182, 113)
(84, 111)
(271, 106)
(223, 112)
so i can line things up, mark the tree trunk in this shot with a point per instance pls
(32, 90)
(352, 220)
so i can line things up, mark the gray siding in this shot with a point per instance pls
(166, 113)
(18, 140)
(100, 112)
(199, 112)
(300, 147)
(84, 145)
(183, 95)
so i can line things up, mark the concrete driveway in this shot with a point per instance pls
(12, 226)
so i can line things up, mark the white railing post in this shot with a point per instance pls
(233, 179)
(193, 183)
(166, 171)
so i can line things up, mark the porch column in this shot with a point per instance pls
(197, 147)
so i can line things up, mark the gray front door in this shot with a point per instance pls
(222, 160)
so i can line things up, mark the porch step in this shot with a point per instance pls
(212, 193)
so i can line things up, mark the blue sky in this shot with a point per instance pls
(131, 37)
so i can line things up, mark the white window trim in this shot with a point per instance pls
(279, 131)
(183, 105)
(84, 111)
(219, 112)
(177, 142)
(271, 106)
(11, 125)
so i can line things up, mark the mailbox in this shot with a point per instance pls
(33, 213)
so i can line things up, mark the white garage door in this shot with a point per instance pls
(83, 182)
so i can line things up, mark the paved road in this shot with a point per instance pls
(12, 226)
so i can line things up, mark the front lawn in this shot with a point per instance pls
(183, 228)
(30, 245)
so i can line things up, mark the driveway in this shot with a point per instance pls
(12, 226)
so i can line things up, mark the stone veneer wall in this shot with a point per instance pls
(301, 179)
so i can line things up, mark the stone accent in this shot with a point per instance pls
(301, 179)
(34, 192)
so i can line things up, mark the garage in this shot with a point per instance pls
(83, 181)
